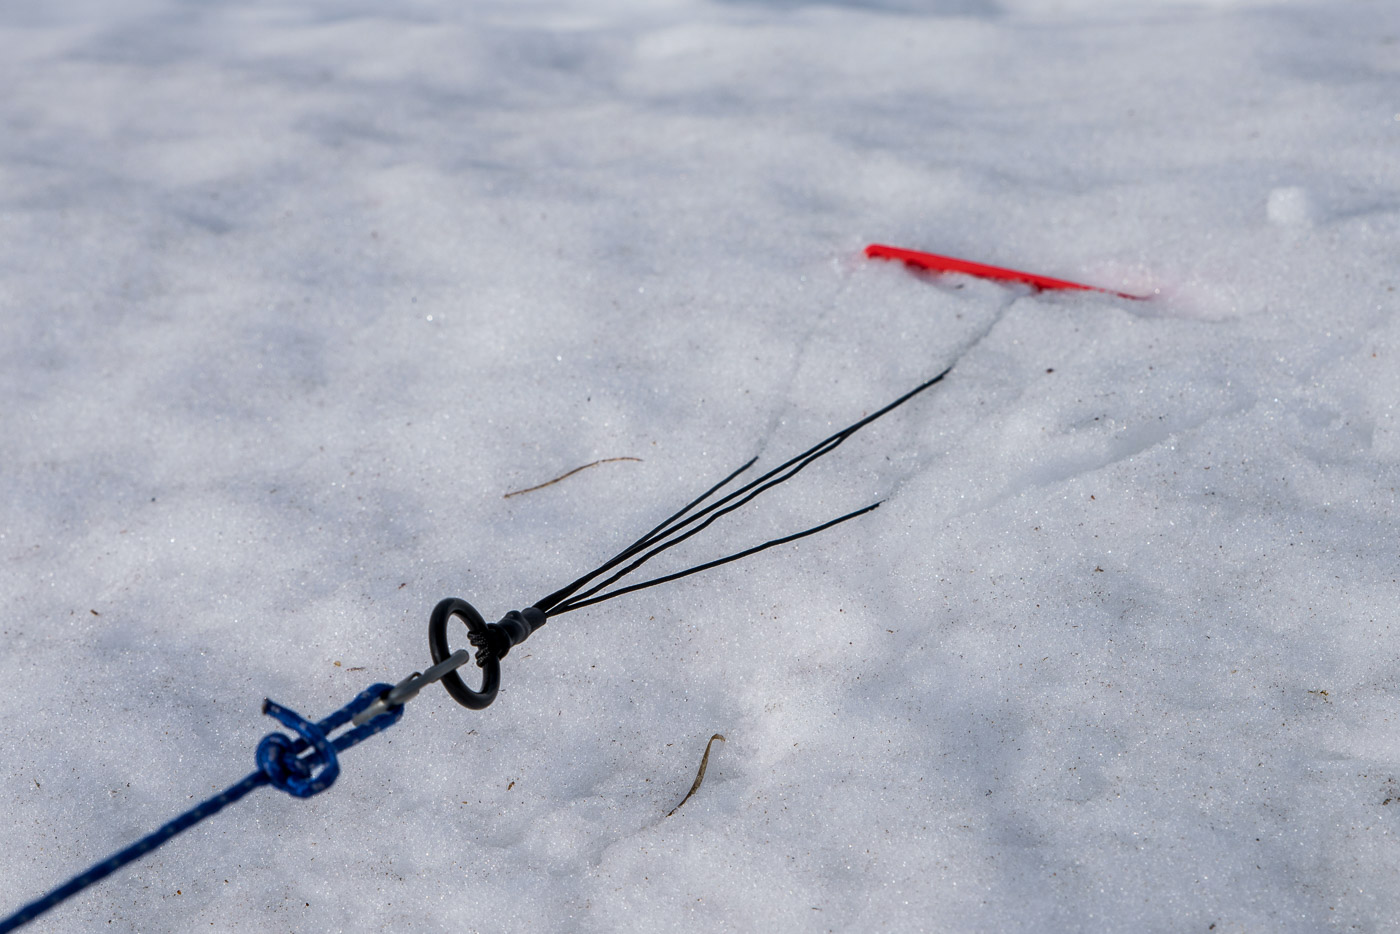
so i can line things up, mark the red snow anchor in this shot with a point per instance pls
(935, 263)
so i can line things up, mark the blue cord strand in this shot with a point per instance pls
(280, 764)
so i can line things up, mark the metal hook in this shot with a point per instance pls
(492, 642)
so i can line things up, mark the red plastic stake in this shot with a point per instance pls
(935, 263)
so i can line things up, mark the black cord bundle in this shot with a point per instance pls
(668, 534)
(493, 640)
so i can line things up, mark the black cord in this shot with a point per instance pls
(665, 535)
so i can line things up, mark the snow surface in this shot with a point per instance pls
(292, 293)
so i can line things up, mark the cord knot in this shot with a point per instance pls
(494, 640)
(279, 757)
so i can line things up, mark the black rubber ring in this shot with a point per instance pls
(437, 644)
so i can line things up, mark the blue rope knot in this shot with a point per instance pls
(281, 758)
(280, 763)
(278, 756)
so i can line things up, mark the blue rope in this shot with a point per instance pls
(280, 764)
